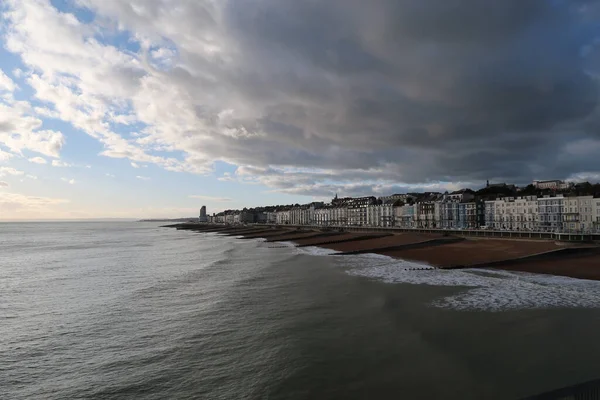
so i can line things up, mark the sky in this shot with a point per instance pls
(153, 108)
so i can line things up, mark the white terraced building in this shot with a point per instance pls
(322, 216)
(548, 214)
(509, 213)
(404, 216)
(339, 216)
(271, 217)
(579, 214)
(303, 215)
(496, 214)
(380, 215)
(448, 217)
(551, 213)
(596, 215)
(526, 213)
(490, 214)
(283, 217)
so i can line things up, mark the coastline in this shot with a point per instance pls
(441, 251)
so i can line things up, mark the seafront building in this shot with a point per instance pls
(203, 217)
(463, 209)
(381, 214)
(550, 211)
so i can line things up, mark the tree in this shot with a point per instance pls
(529, 190)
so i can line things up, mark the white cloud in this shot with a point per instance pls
(33, 177)
(60, 163)
(226, 177)
(69, 181)
(143, 178)
(38, 160)
(210, 198)
(110, 175)
(4, 171)
(3, 184)
(6, 84)
(135, 165)
(87, 83)
(21, 130)
(20, 127)
(15, 205)
(4, 156)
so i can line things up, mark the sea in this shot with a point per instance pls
(131, 310)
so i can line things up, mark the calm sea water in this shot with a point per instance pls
(131, 310)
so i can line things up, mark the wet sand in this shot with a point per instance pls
(387, 241)
(475, 251)
(266, 234)
(292, 236)
(585, 267)
(322, 241)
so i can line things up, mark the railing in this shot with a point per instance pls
(561, 236)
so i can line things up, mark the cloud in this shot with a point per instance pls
(352, 94)
(226, 177)
(21, 130)
(135, 165)
(143, 178)
(210, 198)
(60, 163)
(4, 156)
(4, 171)
(38, 160)
(6, 84)
(69, 181)
(3, 184)
(110, 175)
(20, 126)
(15, 205)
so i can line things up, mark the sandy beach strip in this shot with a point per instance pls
(266, 234)
(584, 267)
(292, 236)
(386, 241)
(474, 251)
(316, 236)
(322, 241)
(243, 232)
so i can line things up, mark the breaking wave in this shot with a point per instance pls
(489, 290)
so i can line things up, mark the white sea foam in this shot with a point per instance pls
(492, 290)
(315, 251)
(287, 244)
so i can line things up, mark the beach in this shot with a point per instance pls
(577, 260)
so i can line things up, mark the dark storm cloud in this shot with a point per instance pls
(420, 91)
(446, 76)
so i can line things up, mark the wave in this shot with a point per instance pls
(486, 290)
(315, 251)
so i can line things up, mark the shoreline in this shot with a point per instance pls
(440, 251)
